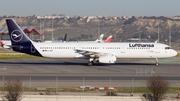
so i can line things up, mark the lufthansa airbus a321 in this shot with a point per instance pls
(94, 52)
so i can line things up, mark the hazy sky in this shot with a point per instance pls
(90, 7)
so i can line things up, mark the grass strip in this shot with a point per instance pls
(178, 54)
(8, 52)
(172, 90)
(24, 56)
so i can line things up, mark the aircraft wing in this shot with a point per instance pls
(88, 53)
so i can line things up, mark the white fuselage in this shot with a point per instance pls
(7, 44)
(120, 50)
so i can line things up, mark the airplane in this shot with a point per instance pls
(95, 52)
(1, 43)
(100, 38)
(64, 39)
(5, 44)
(108, 39)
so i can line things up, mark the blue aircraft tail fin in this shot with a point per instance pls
(64, 39)
(19, 40)
(16, 35)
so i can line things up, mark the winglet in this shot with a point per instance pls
(108, 39)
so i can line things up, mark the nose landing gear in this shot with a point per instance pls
(157, 62)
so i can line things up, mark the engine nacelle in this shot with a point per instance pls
(7, 47)
(107, 59)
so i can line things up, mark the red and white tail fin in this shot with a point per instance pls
(1, 43)
(108, 39)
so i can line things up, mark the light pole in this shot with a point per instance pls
(56, 83)
(170, 34)
(110, 85)
(98, 29)
(30, 85)
(83, 85)
(158, 31)
(52, 28)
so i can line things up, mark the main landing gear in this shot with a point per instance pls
(157, 62)
(90, 63)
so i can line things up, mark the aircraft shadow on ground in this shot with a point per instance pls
(75, 63)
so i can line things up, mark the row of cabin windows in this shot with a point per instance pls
(112, 47)
(57, 47)
(90, 48)
(82, 48)
(102, 48)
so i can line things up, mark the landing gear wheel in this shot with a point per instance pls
(90, 63)
(157, 62)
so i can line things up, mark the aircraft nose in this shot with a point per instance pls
(174, 53)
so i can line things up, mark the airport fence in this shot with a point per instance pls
(85, 84)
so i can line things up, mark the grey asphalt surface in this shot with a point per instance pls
(70, 72)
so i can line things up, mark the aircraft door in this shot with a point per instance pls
(78, 47)
(157, 49)
(123, 49)
(33, 50)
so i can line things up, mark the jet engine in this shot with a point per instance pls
(107, 59)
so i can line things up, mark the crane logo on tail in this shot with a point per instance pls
(16, 36)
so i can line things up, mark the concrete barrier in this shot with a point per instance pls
(79, 98)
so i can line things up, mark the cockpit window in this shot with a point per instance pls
(168, 48)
